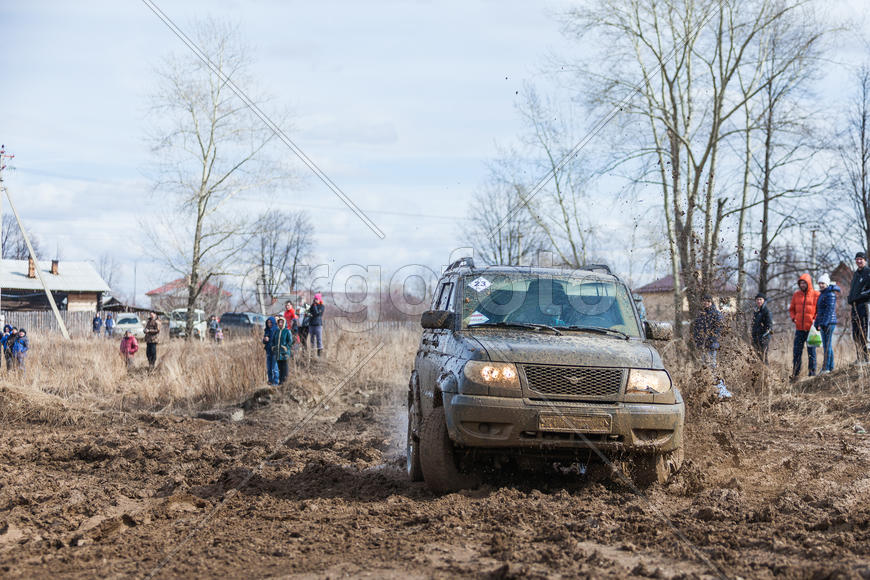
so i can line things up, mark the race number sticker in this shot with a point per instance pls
(477, 318)
(480, 284)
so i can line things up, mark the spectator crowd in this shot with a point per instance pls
(813, 313)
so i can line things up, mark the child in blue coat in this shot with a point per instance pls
(19, 349)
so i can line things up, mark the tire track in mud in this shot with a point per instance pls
(112, 495)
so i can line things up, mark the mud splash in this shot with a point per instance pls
(782, 494)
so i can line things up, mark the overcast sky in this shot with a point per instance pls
(400, 103)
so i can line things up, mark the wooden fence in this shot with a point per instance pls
(43, 321)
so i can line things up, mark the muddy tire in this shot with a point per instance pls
(657, 468)
(438, 457)
(412, 461)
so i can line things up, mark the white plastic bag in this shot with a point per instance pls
(815, 337)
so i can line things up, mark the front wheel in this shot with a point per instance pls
(412, 462)
(657, 468)
(438, 456)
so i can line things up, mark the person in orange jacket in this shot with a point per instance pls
(803, 312)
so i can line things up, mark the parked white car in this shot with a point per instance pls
(125, 321)
(178, 323)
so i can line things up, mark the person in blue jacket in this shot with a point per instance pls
(8, 337)
(269, 338)
(826, 318)
(110, 326)
(20, 348)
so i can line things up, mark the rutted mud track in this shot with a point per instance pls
(117, 494)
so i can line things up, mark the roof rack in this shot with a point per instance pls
(466, 261)
(594, 267)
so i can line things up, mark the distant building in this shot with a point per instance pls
(212, 299)
(75, 286)
(658, 298)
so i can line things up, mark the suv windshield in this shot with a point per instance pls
(566, 301)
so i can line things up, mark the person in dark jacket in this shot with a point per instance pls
(9, 335)
(303, 325)
(706, 330)
(762, 327)
(268, 340)
(152, 333)
(97, 325)
(826, 319)
(282, 346)
(859, 296)
(315, 323)
(19, 349)
(213, 328)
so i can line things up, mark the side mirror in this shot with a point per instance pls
(437, 319)
(658, 330)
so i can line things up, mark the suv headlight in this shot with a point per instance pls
(647, 381)
(490, 373)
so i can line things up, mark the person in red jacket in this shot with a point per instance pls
(803, 312)
(289, 313)
(129, 347)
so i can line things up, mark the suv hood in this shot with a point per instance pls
(572, 348)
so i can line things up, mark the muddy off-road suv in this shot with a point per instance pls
(520, 364)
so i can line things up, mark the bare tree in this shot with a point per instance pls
(282, 241)
(788, 144)
(492, 205)
(561, 210)
(13, 246)
(855, 157)
(211, 148)
(108, 267)
(688, 54)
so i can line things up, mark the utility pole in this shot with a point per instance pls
(813, 256)
(4, 189)
(3, 158)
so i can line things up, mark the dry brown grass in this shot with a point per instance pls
(192, 376)
(764, 393)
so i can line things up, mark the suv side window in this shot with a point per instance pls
(436, 296)
(444, 296)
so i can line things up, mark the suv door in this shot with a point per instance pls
(431, 355)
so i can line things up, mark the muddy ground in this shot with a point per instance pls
(769, 489)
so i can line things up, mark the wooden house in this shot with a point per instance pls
(75, 286)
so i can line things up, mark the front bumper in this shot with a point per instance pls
(499, 422)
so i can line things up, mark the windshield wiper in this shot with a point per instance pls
(598, 329)
(531, 325)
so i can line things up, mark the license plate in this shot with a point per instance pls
(575, 423)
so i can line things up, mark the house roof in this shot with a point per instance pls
(666, 284)
(71, 277)
(181, 284)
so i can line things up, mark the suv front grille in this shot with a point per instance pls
(574, 382)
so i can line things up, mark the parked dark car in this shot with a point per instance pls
(522, 363)
(237, 324)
